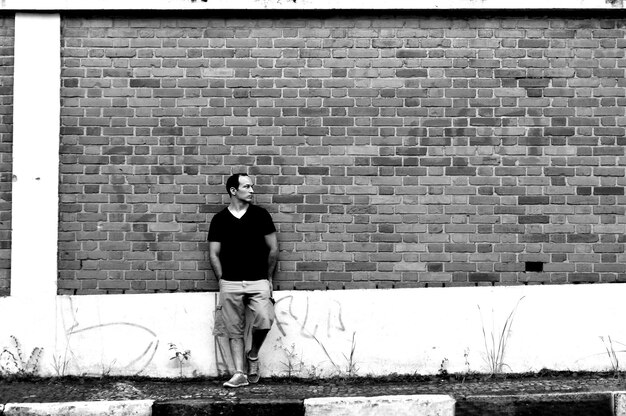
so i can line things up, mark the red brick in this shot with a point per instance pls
(331, 135)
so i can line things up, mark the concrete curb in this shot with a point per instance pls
(411, 405)
(619, 403)
(605, 403)
(247, 407)
(580, 403)
(99, 408)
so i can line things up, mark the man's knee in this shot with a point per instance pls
(263, 313)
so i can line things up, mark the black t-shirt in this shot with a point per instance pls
(243, 252)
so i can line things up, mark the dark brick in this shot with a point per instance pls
(582, 238)
(608, 190)
(559, 131)
(533, 200)
(583, 277)
(145, 83)
(533, 219)
(484, 277)
(313, 170)
(461, 171)
(360, 266)
(312, 266)
(331, 277)
(411, 73)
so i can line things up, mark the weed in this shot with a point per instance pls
(468, 371)
(12, 360)
(443, 368)
(314, 371)
(466, 353)
(337, 368)
(294, 363)
(106, 369)
(60, 364)
(351, 367)
(612, 354)
(496, 344)
(62, 361)
(180, 355)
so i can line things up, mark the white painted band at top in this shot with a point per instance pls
(60, 5)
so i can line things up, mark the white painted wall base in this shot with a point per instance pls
(404, 331)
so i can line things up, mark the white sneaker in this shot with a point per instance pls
(237, 380)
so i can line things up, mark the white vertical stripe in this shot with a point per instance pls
(36, 118)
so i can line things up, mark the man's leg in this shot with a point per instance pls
(237, 352)
(233, 309)
(263, 311)
(258, 337)
(238, 379)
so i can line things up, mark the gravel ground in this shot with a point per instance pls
(69, 389)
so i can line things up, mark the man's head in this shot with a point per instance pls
(240, 186)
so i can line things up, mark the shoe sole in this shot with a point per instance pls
(234, 386)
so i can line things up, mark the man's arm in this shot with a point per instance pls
(214, 258)
(272, 258)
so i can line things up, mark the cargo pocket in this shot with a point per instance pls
(219, 326)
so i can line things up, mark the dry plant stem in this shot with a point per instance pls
(612, 354)
(352, 368)
(496, 352)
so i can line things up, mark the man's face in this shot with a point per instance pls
(245, 190)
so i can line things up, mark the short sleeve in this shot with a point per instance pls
(215, 229)
(267, 226)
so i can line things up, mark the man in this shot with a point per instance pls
(243, 251)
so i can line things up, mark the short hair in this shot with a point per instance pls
(233, 182)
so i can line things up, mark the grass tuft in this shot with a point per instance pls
(496, 343)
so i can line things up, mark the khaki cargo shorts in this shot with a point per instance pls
(238, 297)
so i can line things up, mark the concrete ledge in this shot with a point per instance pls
(247, 407)
(619, 403)
(99, 408)
(553, 404)
(413, 405)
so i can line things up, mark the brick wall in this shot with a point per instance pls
(7, 36)
(394, 151)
